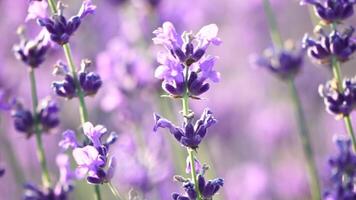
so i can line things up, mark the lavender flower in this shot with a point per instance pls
(186, 50)
(285, 63)
(60, 191)
(92, 159)
(90, 82)
(190, 135)
(343, 172)
(336, 102)
(331, 11)
(336, 44)
(48, 114)
(207, 189)
(23, 120)
(33, 52)
(60, 28)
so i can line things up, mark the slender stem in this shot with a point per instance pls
(304, 136)
(186, 113)
(46, 180)
(272, 23)
(52, 5)
(114, 191)
(336, 65)
(303, 130)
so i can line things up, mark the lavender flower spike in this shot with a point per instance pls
(94, 133)
(190, 135)
(87, 8)
(69, 140)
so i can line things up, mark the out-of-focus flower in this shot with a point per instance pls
(336, 102)
(5, 103)
(60, 28)
(48, 114)
(69, 140)
(337, 44)
(285, 63)
(186, 51)
(33, 52)
(23, 120)
(2, 171)
(190, 135)
(60, 191)
(37, 9)
(331, 11)
(343, 172)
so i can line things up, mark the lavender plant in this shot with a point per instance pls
(185, 69)
(285, 61)
(332, 50)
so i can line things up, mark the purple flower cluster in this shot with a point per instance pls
(61, 29)
(207, 189)
(60, 191)
(93, 158)
(343, 172)
(337, 44)
(336, 102)
(90, 82)
(331, 11)
(24, 120)
(187, 51)
(190, 135)
(285, 63)
(33, 52)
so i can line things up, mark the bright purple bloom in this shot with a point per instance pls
(90, 82)
(94, 133)
(190, 135)
(65, 88)
(332, 11)
(33, 52)
(338, 44)
(285, 63)
(88, 160)
(183, 51)
(60, 28)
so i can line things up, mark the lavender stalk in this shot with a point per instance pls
(303, 130)
(46, 180)
(82, 106)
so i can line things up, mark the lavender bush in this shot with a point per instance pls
(80, 81)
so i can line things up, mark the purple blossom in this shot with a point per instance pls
(94, 133)
(330, 10)
(190, 135)
(61, 29)
(338, 44)
(343, 172)
(285, 63)
(90, 82)
(23, 120)
(48, 114)
(33, 52)
(69, 140)
(87, 8)
(88, 160)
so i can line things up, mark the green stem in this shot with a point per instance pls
(46, 180)
(272, 23)
(52, 6)
(336, 65)
(304, 136)
(114, 191)
(303, 131)
(186, 114)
